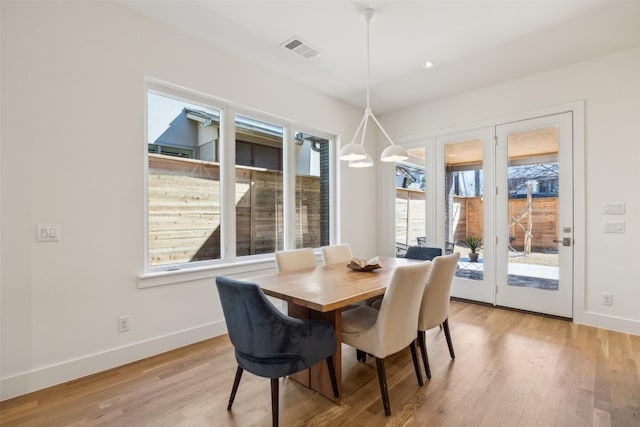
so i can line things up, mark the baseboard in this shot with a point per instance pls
(48, 376)
(612, 323)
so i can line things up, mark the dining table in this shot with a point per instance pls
(322, 293)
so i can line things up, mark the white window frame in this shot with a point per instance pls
(229, 263)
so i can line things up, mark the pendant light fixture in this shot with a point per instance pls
(354, 152)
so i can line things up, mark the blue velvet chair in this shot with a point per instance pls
(268, 343)
(422, 252)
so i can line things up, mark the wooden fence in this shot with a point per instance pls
(545, 223)
(544, 218)
(410, 216)
(410, 219)
(184, 210)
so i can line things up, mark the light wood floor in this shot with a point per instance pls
(511, 369)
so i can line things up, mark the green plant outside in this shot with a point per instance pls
(473, 243)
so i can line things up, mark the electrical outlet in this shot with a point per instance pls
(607, 298)
(124, 323)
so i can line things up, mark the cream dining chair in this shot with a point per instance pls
(392, 328)
(336, 254)
(296, 259)
(434, 309)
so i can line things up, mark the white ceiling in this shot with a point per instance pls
(474, 43)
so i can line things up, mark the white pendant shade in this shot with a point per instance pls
(362, 163)
(355, 153)
(352, 151)
(394, 153)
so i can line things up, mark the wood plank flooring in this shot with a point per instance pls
(511, 369)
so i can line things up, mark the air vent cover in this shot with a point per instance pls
(301, 47)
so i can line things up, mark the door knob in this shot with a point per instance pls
(566, 241)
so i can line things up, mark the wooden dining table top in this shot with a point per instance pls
(329, 287)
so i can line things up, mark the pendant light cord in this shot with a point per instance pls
(368, 60)
(362, 127)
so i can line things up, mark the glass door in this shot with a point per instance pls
(534, 221)
(466, 209)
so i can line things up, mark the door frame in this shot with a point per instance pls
(427, 138)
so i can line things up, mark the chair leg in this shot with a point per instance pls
(423, 350)
(234, 389)
(447, 334)
(361, 356)
(382, 379)
(414, 356)
(274, 401)
(332, 374)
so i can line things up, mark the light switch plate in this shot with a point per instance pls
(613, 227)
(48, 233)
(613, 208)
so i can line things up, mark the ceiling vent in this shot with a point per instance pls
(301, 47)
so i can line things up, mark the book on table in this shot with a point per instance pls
(364, 264)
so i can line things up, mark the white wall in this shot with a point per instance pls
(610, 89)
(73, 153)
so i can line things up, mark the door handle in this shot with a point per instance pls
(566, 241)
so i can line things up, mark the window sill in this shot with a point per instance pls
(190, 274)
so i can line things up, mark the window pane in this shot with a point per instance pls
(183, 181)
(312, 191)
(259, 219)
(533, 173)
(410, 202)
(464, 205)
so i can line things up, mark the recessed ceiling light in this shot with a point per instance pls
(428, 64)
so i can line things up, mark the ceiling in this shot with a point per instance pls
(475, 44)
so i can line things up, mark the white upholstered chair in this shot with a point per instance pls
(392, 328)
(434, 309)
(296, 259)
(336, 254)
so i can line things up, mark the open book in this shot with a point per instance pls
(364, 265)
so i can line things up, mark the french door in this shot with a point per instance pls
(534, 215)
(510, 187)
(465, 209)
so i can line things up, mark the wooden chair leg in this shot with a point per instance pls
(382, 379)
(234, 389)
(423, 350)
(332, 375)
(447, 334)
(414, 356)
(274, 401)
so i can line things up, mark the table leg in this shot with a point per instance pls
(317, 377)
